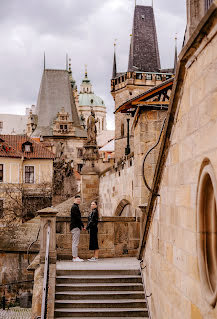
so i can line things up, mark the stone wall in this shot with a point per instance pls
(146, 133)
(172, 248)
(117, 236)
(14, 243)
(116, 186)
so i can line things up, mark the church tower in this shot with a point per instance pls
(87, 101)
(144, 72)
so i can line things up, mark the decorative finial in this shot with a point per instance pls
(85, 70)
(152, 3)
(176, 54)
(115, 43)
(135, 2)
(70, 65)
(44, 60)
(67, 62)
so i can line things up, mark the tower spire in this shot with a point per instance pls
(176, 55)
(114, 72)
(144, 53)
(85, 71)
(67, 62)
(44, 60)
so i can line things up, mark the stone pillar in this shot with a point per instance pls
(89, 184)
(47, 216)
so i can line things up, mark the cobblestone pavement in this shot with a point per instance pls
(15, 313)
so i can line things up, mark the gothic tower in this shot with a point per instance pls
(144, 72)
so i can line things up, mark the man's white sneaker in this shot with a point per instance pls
(77, 259)
(93, 259)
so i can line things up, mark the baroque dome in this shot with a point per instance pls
(90, 99)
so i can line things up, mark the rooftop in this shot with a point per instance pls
(12, 146)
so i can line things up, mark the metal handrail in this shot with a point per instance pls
(146, 155)
(46, 276)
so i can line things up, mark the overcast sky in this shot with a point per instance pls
(85, 29)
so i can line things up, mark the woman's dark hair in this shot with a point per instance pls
(77, 196)
(94, 201)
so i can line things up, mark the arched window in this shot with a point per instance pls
(207, 232)
(103, 124)
(122, 129)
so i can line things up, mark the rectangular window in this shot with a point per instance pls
(158, 77)
(29, 174)
(1, 208)
(148, 76)
(61, 127)
(65, 127)
(79, 152)
(1, 173)
(1, 124)
(27, 148)
(79, 167)
(138, 76)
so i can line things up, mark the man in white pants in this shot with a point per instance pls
(75, 226)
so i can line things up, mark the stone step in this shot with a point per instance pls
(120, 303)
(100, 287)
(92, 295)
(98, 279)
(97, 272)
(99, 313)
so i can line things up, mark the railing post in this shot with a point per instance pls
(48, 217)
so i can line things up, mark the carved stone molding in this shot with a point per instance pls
(207, 233)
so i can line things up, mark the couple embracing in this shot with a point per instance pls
(76, 226)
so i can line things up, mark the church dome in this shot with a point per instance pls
(90, 99)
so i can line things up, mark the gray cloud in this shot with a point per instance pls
(85, 30)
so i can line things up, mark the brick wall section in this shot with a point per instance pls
(172, 274)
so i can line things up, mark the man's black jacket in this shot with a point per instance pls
(76, 217)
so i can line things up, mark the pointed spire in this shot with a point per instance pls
(85, 71)
(114, 72)
(144, 53)
(44, 60)
(67, 62)
(71, 79)
(176, 55)
(70, 71)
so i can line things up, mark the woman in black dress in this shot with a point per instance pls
(93, 230)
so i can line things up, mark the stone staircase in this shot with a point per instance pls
(96, 292)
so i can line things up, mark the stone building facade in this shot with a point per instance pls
(179, 241)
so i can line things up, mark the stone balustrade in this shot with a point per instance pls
(117, 236)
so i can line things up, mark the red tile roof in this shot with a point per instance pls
(11, 146)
